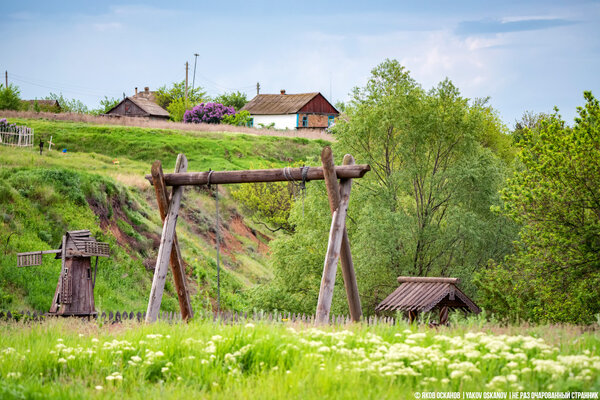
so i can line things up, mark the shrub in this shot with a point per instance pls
(9, 97)
(210, 113)
(177, 108)
(240, 119)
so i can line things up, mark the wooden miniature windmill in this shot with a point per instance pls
(75, 289)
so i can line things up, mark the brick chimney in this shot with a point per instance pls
(146, 90)
(282, 91)
(136, 91)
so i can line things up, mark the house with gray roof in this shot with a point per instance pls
(139, 105)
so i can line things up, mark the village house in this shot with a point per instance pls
(141, 104)
(292, 111)
(43, 105)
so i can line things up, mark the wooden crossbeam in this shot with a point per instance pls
(261, 175)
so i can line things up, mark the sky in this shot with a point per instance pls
(523, 55)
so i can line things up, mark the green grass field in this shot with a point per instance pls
(71, 359)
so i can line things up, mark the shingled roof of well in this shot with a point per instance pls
(422, 294)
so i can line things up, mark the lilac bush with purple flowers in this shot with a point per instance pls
(7, 126)
(209, 113)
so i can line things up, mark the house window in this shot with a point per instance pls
(305, 121)
(330, 120)
(251, 122)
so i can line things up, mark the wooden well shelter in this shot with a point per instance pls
(424, 294)
(338, 248)
(74, 295)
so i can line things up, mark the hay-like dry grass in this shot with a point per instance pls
(162, 124)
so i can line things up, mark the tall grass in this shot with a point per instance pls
(74, 359)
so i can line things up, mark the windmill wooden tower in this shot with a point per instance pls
(75, 289)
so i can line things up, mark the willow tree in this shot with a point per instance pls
(424, 209)
(438, 161)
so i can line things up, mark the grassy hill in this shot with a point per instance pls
(43, 196)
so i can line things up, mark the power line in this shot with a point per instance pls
(61, 90)
(54, 84)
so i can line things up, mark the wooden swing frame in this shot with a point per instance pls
(338, 247)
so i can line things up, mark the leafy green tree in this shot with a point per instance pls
(9, 97)
(241, 118)
(236, 100)
(166, 95)
(268, 203)
(530, 121)
(106, 104)
(554, 274)
(177, 109)
(69, 105)
(437, 164)
(340, 106)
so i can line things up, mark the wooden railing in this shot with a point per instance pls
(222, 318)
(19, 136)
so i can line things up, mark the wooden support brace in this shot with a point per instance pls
(336, 234)
(333, 193)
(164, 251)
(177, 267)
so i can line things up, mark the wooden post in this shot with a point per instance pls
(338, 223)
(333, 192)
(444, 315)
(164, 251)
(177, 267)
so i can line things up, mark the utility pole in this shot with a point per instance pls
(194, 78)
(6, 77)
(186, 82)
(257, 88)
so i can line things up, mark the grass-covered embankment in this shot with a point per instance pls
(204, 150)
(63, 359)
(43, 196)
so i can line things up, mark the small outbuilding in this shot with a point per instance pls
(291, 111)
(423, 294)
(139, 105)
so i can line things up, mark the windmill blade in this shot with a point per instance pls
(99, 249)
(33, 258)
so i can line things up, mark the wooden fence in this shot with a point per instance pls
(228, 318)
(18, 136)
